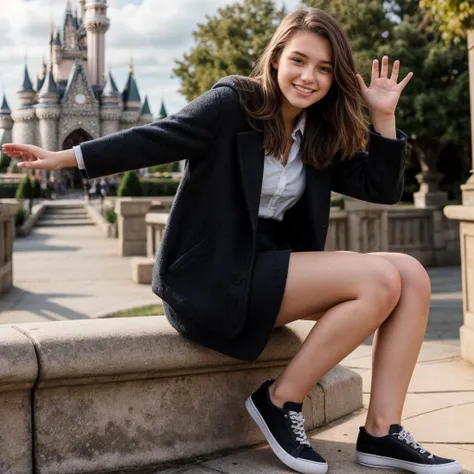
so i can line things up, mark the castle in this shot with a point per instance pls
(72, 99)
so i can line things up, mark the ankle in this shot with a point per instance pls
(278, 396)
(378, 426)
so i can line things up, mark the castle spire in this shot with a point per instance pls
(5, 108)
(163, 112)
(27, 85)
(130, 65)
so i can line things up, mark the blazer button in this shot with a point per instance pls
(236, 280)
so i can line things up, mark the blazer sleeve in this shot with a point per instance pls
(375, 175)
(184, 135)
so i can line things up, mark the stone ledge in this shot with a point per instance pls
(109, 229)
(132, 393)
(142, 269)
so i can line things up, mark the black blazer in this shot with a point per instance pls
(204, 263)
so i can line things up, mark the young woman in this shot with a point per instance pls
(242, 252)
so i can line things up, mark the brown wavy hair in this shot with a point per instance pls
(335, 124)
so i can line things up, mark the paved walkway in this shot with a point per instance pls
(69, 273)
(75, 273)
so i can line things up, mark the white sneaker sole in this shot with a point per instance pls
(299, 465)
(372, 460)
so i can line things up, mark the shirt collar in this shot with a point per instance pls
(300, 125)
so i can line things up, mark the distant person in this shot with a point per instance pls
(242, 250)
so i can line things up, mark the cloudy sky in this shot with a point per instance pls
(155, 32)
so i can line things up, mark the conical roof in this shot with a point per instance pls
(57, 40)
(49, 86)
(146, 107)
(110, 88)
(39, 82)
(130, 93)
(163, 113)
(27, 86)
(5, 108)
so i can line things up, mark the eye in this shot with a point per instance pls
(297, 60)
(325, 69)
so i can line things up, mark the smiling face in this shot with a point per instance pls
(305, 72)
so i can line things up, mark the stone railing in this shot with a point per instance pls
(8, 211)
(131, 222)
(130, 394)
(423, 233)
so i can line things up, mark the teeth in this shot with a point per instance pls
(302, 89)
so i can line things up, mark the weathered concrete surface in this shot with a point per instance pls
(67, 273)
(131, 393)
(18, 372)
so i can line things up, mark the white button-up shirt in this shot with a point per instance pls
(283, 185)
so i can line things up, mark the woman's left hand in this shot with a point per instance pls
(381, 97)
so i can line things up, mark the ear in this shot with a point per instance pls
(275, 65)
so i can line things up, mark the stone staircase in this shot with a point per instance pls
(64, 214)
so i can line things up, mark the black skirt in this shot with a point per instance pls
(269, 275)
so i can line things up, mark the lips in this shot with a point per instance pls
(303, 89)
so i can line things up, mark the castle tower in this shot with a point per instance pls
(48, 112)
(24, 130)
(6, 122)
(110, 109)
(96, 23)
(146, 115)
(132, 103)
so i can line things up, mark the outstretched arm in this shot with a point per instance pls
(184, 135)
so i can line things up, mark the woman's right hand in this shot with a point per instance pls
(34, 157)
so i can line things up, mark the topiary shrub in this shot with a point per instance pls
(130, 185)
(110, 215)
(20, 216)
(25, 190)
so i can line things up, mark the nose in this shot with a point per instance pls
(307, 75)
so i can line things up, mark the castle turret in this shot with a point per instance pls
(110, 110)
(70, 28)
(6, 121)
(24, 117)
(48, 112)
(132, 104)
(163, 113)
(96, 23)
(26, 94)
(145, 114)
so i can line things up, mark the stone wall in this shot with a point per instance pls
(131, 393)
(8, 209)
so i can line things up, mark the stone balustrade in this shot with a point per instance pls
(8, 211)
(129, 394)
(423, 233)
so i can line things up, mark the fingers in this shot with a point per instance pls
(37, 165)
(361, 82)
(375, 70)
(405, 81)
(384, 71)
(395, 70)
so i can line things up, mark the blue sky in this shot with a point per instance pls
(155, 32)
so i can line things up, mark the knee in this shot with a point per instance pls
(383, 285)
(415, 279)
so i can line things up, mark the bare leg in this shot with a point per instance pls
(356, 292)
(397, 345)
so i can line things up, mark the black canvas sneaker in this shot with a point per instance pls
(284, 430)
(399, 450)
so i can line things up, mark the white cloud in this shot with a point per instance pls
(156, 32)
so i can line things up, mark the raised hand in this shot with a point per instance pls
(34, 157)
(383, 93)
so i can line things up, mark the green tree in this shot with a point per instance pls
(25, 191)
(130, 185)
(434, 107)
(455, 17)
(228, 43)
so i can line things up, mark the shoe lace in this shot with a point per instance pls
(297, 425)
(406, 436)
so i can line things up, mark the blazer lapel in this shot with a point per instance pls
(251, 160)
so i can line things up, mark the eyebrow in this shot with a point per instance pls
(307, 57)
